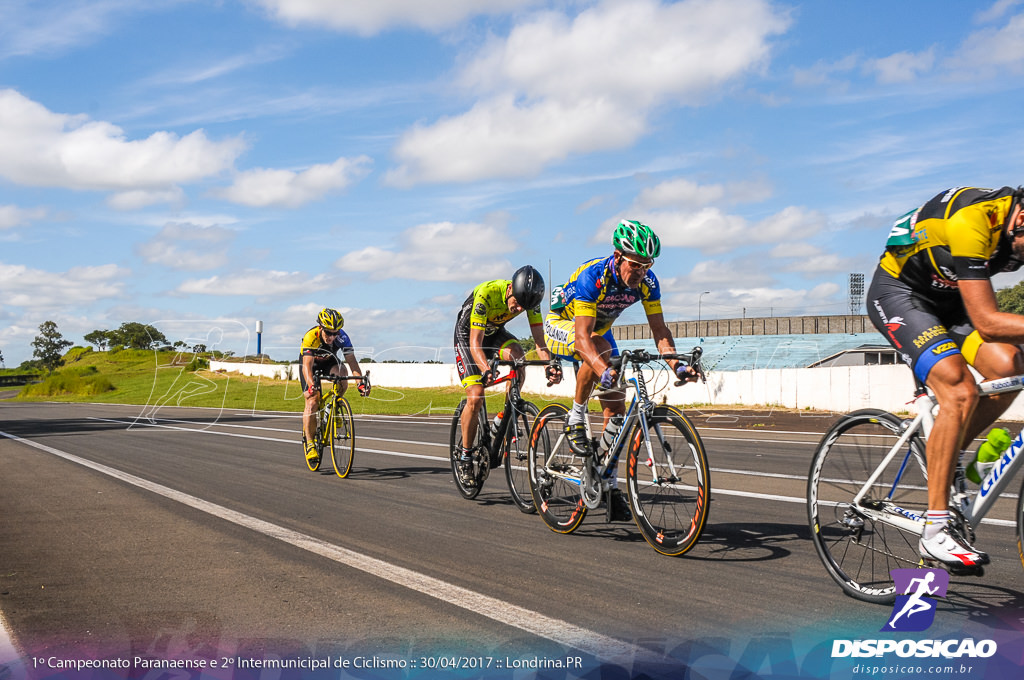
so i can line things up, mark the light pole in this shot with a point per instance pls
(698, 310)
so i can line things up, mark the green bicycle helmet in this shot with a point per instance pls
(330, 319)
(634, 238)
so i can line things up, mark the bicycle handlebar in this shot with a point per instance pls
(517, 364)
(642, 356)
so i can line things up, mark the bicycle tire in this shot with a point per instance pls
(343, 437)
(517, 454)
(670, 491)
(480, 459)
(860, 552)
(1020, 524)
(555, 472)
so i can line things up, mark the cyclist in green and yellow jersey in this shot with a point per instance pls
(480, 335)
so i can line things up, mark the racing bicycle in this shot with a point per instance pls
(335, 428)
(492, 445)
(867, 494)
(667, 472)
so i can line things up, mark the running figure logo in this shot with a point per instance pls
(914, 610)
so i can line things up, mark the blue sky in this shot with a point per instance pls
(204, 165)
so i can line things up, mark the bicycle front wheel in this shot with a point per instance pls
(343, 437)
(555, 472)
(669, 481)
(859, 549)
(469, 475)
(517, 448)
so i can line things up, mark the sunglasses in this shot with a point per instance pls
(635, 264)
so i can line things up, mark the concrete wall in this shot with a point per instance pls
(836, 389)
(765, 325)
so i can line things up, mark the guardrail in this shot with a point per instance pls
(17, 380)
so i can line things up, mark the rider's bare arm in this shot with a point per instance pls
(992, 324)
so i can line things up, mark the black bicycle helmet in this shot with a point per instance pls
(527, 287)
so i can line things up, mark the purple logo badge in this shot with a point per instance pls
(914, 609)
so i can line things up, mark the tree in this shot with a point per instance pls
(99, 338)
(2, 359)
(1011, 299)
(49, 346)
(136, 335)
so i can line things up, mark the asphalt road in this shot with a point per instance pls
(201, 533)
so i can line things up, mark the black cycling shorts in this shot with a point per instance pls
(924, 331)
(469, 372)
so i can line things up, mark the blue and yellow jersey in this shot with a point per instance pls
(313, 345)
(958, 235)
(595, 289)
(487, 309)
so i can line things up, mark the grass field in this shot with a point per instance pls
(155, 379)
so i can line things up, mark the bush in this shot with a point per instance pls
(73, 382)
(76, 353)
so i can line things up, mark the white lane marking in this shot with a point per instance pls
(714, 489)
(555, 630)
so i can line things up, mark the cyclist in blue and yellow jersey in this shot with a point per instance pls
(480, 336)
(319, 353)
(579, 324)
(932, 298)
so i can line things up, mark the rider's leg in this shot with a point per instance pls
(340, 370)
(957, 396)
(474, 402)
(993, 360)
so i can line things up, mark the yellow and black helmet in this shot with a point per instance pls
(330, 319)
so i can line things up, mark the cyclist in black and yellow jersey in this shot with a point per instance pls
(578, 328)
(931, 296)
(319, 354)
(480, 335)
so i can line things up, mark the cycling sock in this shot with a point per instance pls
(577, 414)
(935, 520)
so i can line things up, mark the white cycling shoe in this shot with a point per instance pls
(949, 548)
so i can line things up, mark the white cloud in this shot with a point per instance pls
(42, 148)
(369, 18)
(209, 247)
(991, 48)
(683, 193)
(559, 85)
(503, 138)
(261, 284)
(442, 251)
(263, 187)
(27, 287)
(48, 27)
(902, 67)
(142, 198)
(12, 216)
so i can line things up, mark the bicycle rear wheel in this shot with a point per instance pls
(858, 550)
(555, 472)
(517, 448)
(343, 437)
(469, 476)
(669, 486)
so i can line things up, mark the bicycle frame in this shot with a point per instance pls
(980, 502)
(513, 397)
(640, 408)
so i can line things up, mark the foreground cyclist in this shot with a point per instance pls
(480, 336)
(932, 298)
(319, 353)
(578, 328)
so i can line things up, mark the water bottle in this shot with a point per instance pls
(610, 431)
(997, 441)
(497, 422)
